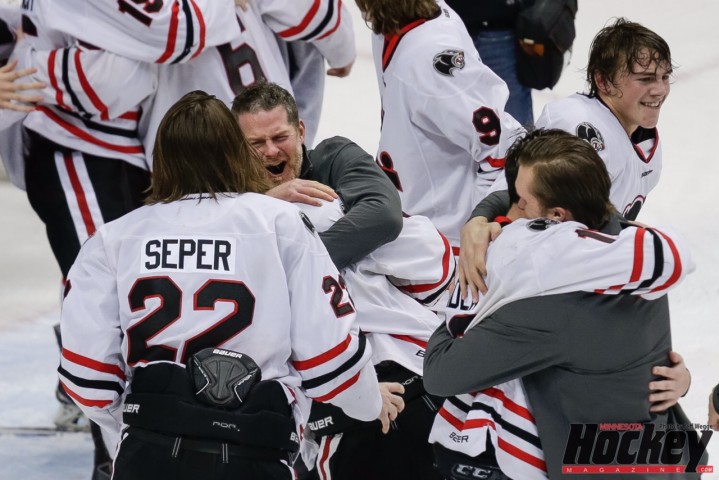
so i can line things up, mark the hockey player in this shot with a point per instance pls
(444, 129)
(208, 264)
(418, 264)
(379, 276)
(628, 74)
(85, 163)
(268, 117)
(253, 54)
(514, 335)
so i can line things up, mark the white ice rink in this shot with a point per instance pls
(29, 279)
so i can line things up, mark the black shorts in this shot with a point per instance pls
(74, 193)
(147, 455)
(361, 451)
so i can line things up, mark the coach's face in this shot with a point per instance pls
(278, 141)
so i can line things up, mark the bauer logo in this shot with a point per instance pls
(626, 448)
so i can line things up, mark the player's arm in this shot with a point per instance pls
(419, 261)
(92, 370)
(155, 31)
(325, 23)
(92, 83)
(328, 351)
(498, 351)
(373, 210)
(639, 261)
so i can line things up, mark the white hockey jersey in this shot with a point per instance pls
(634, 163)
(88, 104)
(245, 273)
(159, 31)
(444, 129)
(252, 53)
(419, 262)
(542, 257)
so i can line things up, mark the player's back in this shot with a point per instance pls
(197, 268)
(444, 130)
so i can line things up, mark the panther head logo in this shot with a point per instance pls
(587, 131)
(447, 61)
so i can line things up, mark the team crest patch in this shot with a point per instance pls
(308, 223)
(448, 61)
(541, 224)
(587, 131)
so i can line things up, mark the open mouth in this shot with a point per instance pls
(652, 104)
(276, 169)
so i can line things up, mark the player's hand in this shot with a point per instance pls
(303, 191)
(340, 71)
(392, 403)
(242, 4)
(474, 241)
(10, 89)
(713, 414)
(674, 385)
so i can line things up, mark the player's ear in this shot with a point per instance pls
(604, 84)
(301, 129)
(560, 214)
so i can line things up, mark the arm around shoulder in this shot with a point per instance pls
(373, 209)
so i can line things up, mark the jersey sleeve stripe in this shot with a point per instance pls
(189, 34)
(324, 357)
(93, 364)
(337, 23)
(108, 385)
(638, 255)
(52, 58)
(407, 338)
(346, 366)
(87, 88)
(172, 35)
(106, 128)
(85, 401)
(325, 21)
(344, 386)
(130, 149)
(203, 29)
(66, 82)
(419, 288)
(676, 274)
(305, 21)
(132, 115)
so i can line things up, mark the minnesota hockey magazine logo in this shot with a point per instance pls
(622, 448)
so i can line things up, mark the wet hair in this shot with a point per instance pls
(619, 47)
(387, 17)
(200, 148)
(263, 97)
(568, 173)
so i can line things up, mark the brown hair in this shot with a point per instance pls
(568, 173)
(620, 46)
(387, 17)
(265, 97)
(199, 148)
